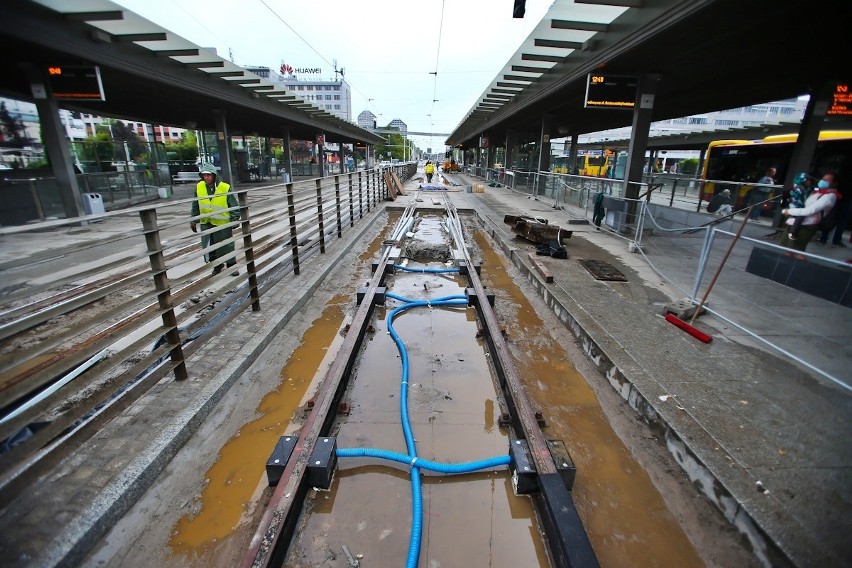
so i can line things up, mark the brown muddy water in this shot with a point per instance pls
(232, 481)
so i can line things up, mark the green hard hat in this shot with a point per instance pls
(207, 169)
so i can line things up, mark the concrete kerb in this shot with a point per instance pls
(613, 362)
(76, 539)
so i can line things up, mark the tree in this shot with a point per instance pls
(122, 133)
(183, 150)
(13, 134)
(688, 166)
(395, 147)
(301, 150)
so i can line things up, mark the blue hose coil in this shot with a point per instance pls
(411, 447)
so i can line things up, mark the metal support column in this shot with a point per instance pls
(808, 138)
(511, 143)
(639, 138)
(286, 155)
(57, 147)
(223, 143)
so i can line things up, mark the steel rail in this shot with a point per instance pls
(567, 541)
(269, 543)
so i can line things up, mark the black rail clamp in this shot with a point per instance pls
(322, 463)
(463, 268)
(378, 298)
(524, 474)
(278, 459)
(564, 464)
(473, 299)
(388, 266)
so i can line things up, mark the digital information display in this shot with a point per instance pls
(611, 91)
(74, 83)
(841, 101)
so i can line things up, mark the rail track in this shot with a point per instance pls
(537, 467)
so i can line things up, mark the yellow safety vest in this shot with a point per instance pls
(429, 169)
(213, 208)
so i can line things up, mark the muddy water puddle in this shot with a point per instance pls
(232, 481)
(468, 520)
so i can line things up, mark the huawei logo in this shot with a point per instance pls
(286, 69)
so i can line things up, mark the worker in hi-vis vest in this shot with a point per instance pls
(430, 170)
(216, 206)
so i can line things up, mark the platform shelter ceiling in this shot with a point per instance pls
(709, 55)
(150, 74)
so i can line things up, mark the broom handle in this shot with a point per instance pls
(722, 265)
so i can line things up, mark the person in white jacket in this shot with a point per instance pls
(817, 204)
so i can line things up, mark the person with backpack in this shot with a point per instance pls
(720, 204)
(817, 205)
(802, 187)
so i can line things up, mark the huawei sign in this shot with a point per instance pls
(286, 69)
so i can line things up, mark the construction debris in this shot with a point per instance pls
(537, 230)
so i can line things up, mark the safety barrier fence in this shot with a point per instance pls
(755, 291)
(675, 190)
(87, 323)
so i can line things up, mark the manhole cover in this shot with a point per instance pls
(603, 270)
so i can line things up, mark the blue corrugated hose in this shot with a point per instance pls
(411, 458)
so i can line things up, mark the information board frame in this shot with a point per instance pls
(611, 91)
(75, 82)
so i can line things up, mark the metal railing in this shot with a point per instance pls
(98, 320)
(682, 244)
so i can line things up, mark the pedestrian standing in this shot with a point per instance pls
(216, 206)
(429, 169)
(760, 193)
(836, 220)
(802, 187)
(819, 202)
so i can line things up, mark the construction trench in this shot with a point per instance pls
(441, 392)
(341, 395)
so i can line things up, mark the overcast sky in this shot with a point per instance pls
(390, 49)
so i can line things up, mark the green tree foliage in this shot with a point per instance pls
(394, 147)
(97, 148)
(688, 166)
(183, 150)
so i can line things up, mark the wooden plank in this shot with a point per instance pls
(399, 189)
(542, 269)
(391, 187)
